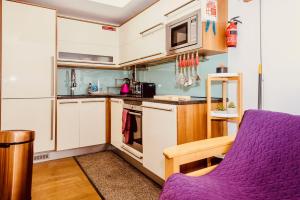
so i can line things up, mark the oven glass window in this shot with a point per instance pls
(179, 35)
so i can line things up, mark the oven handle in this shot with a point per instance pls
(132, 153)
(134, 113)
(167, 14)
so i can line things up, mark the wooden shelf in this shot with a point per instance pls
(224, 116)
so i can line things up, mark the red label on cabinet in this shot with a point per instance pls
(108, 28)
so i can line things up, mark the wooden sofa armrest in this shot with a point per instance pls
(194, 151)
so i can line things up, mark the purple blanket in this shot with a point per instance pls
(263, 164)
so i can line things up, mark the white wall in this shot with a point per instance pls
(245, 58)
(281, 54)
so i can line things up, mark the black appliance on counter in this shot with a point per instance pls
(144, 90)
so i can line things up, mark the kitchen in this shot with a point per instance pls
(106, 84)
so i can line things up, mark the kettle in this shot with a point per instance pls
(125, 88)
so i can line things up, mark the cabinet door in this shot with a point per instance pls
(31, 114)
(116, 122)
(67, 124)
(92, 122)
(87, 38)
(29, 52)
(159, 132)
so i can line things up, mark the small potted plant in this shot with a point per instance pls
(231, 108)
(220, 109)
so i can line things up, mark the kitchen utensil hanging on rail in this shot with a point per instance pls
(186, 69)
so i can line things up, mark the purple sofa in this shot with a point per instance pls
(263, 164)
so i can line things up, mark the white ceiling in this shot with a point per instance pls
(96, 11)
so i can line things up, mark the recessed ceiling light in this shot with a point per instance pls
(115, 3)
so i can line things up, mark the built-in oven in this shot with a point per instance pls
(184, 34)
(134, 144)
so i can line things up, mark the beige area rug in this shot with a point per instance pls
(115, 179)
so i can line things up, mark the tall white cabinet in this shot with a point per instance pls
(28, 71)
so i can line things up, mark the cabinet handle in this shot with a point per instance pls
(155, 108)
(115, 101)
(68, 102)
(52, 75)
(98, 101)
(156, 54)
(187, 3)
(52, 121)
(157, 25)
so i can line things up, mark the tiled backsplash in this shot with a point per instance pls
(164, 77)
(86, 76)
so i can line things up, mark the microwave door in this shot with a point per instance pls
(180, 35)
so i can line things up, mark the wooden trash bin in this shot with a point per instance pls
(16, 160)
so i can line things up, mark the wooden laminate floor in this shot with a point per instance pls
(61, 180)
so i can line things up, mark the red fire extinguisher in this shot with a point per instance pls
(232, 31)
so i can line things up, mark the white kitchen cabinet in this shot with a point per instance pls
(116, 122)
(159, 132)
(143, 37)
(29, 51)
(92, 122)
(68, 116)
(31, 114)
(28, 71)
(80, 123)
(87, 38)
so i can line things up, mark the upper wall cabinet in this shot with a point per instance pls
(84, 42)
(143, 37)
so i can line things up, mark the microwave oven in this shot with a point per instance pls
(184, 34)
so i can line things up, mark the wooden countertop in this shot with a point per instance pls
(194, 100)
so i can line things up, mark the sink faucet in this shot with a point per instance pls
(73, 81)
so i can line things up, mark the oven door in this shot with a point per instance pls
(135, 144)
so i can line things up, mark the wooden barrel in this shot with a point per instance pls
(16, 159)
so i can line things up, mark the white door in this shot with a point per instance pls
(68, 124)
(159, 132)
(29, 38)
(116, 122)
(92, 122)
(31, 114)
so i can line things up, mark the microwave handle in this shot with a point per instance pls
(172, 11)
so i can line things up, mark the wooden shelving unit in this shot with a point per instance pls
(224, 78)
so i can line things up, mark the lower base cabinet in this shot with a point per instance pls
(116, 122)
(80, 123)
(159, 132)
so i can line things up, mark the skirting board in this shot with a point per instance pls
(54, 155)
